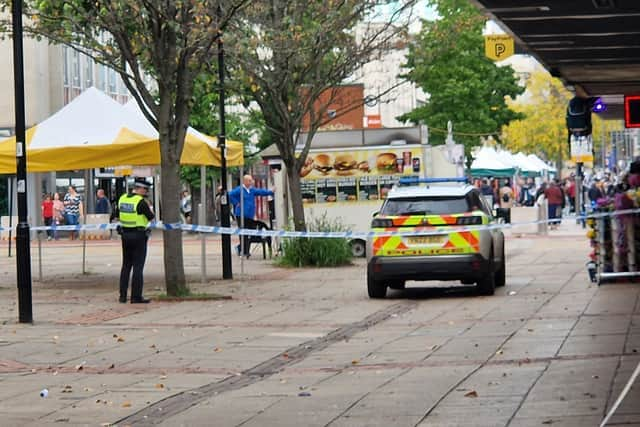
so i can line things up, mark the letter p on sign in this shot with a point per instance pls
(498, 47)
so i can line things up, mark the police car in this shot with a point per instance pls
(447, 241)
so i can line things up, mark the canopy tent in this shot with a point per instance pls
(541, 164)
(95, 131)
(526, 166)
(487, 163)
(89, 132)
(199, 149)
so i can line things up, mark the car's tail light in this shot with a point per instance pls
(381, 223)
(469, 220)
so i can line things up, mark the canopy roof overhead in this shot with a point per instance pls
(592, 45)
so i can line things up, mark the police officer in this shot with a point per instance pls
(134, 214)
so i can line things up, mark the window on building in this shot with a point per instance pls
(65, 65)
(101, 77)
(112, 86)
(88, 72)
(75, 69)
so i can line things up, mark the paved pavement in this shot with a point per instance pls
(306, 347)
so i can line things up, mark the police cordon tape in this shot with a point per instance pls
(427, 230)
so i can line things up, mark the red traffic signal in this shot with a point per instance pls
(632, 111)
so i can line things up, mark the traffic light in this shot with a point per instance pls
(579, 116)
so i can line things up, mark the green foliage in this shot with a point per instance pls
(317, 252)
(447, 61)
(169, 41)
(286, 54)
(205, 117)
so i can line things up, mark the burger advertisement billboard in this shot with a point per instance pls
(352, 175)
(400, 161)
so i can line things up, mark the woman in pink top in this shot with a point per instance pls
(58, 212)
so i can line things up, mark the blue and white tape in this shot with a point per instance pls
(433, 230)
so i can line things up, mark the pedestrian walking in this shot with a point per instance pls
(134, 213)
(248, 193)
(102, 203)
(506, 195)
(73, 207)
(487, 191)
(185, 206)
(555, 200)
(58, 213)
(47, 214)
(217, 206)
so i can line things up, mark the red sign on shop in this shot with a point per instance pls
(374, 121)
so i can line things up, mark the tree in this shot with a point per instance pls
(170, 41)
(447, 61)
(542, 129)
(288, 53)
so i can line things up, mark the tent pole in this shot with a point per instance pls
(84, 241)
(203, 221)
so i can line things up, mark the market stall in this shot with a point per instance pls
(94, 131)
(614, 232)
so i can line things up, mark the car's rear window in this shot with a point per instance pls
(444, 205)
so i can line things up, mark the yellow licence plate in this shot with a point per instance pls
(425, 240)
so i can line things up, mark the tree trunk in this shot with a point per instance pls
(173, 260)
(295, 194)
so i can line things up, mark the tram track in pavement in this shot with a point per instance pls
(173, 405)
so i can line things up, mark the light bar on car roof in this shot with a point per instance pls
(413, 180)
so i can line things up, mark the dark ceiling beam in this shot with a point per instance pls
(568, 17)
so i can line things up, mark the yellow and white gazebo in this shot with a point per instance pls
(94, 131)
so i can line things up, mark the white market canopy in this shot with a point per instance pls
(487, 162)
(541, 163)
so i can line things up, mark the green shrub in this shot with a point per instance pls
(317, 252)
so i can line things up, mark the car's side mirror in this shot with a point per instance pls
(375, 214)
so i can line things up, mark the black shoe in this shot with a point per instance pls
(123, 299)
(140, 300)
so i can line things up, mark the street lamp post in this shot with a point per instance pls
(23, 255)
(227, 272)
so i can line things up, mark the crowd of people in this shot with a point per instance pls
(559, 193)
(65, 211)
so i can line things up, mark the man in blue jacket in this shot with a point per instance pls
(248, 193)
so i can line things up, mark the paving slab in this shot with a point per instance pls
(550, 347)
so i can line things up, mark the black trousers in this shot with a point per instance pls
(134, 254)
(249, 223)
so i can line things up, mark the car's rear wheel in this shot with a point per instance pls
(487, 284)
(358, 248)
(376, 288)
(501, 274)
(397, 284)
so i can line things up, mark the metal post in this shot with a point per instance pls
(227, 272)
(84, 241)
(203, 246)
(241, 223)
(604, 149)
(202, 220)
(10, 216)
(579, 194)
(23, 255)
